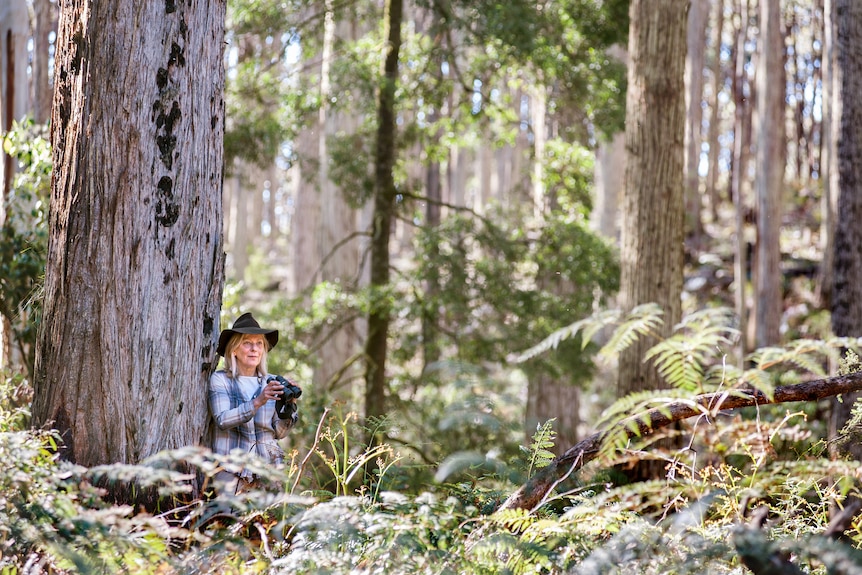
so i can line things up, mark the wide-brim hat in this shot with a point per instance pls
(246, 324)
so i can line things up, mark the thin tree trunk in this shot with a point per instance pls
(698, 17)
(769, 181)
(740, 267)
(384, 211)
(44, 13)
(135, 263)
(715, 114)
(832, 79)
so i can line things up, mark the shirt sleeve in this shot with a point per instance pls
(221, 398)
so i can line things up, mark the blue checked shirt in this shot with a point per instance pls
(239, 426)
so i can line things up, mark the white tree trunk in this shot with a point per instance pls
(609, 176)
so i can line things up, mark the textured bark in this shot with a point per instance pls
(532, 493)
(384, 212)
(847, 287)
(769, 180)
(698, 17)
(652, 224)
(135, 263)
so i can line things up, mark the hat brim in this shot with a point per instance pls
(271, 336)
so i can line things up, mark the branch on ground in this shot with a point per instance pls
(534, 491)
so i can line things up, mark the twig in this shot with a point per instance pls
(310, 451)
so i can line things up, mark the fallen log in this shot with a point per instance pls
(536, 488)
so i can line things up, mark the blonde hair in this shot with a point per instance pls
(234, 342)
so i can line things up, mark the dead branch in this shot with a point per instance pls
(532, 492)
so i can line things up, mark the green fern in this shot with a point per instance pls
(540, 447)
(683, 358)
(643, 320)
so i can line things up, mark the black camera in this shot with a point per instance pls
(283, 406)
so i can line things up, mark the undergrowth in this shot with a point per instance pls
(744, 487)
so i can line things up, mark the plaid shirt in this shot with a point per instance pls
(239, 426)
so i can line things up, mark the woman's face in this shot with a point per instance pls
(248, 354)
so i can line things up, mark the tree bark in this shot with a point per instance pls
(829, 155)
(715, 114)
(698, 17)
(384, 211)
(529, 495)
(740, 156)
(135, 262)
(769, 181)
(653, 212)
(847, 273)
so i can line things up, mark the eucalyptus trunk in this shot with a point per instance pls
(769, 180)
(376, 345)
(652, 221)
(847, 286)
(135, 262)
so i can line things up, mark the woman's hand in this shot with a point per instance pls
(272, 390)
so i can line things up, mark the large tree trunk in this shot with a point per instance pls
(376, 344)
(652, 225)
(769, 181)
(847, 287)
(135, 263)
(653, 212)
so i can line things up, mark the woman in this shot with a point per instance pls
(242, 401)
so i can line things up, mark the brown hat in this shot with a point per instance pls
(246, 324)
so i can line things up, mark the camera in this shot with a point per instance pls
(283, 406)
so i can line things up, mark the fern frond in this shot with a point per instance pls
(810, 355)
(589, 326)
(645, 319)
(542, 443)
(682, 358)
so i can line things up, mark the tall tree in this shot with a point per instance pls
(847, 272)
(769, 180)
(14, 105)
(652, 221)
(698, 18)
(376, 344)
(135, 267)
